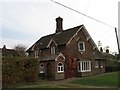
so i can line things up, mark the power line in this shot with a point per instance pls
(82, 14)
(92, 19)
(86, 10)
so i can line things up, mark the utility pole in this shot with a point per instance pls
(117, 43)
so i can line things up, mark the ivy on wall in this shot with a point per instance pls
(71, 65)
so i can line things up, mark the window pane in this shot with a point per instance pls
(60, 64)
(58, 68)
(79, 66)
(81, 46)
(83, 64)
(36, 54)
(41, 65)
(52, 50)
(87, 66)
(61, 68)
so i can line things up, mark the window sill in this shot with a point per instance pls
(60, 72)
(41, 72)
(85, 71)
(81, 51)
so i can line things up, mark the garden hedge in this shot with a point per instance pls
(16, 70)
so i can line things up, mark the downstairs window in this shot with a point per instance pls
(84, 66)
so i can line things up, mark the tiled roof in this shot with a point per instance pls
(49, 58)
(60, 38)
(98, 55)
(108, 55)
(6, 52)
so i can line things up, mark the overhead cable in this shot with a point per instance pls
(82, 14)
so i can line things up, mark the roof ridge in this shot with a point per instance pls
(73, 27)
(62, 31)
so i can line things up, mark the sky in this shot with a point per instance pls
(25, 21)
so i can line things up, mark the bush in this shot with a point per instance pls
(16, 70)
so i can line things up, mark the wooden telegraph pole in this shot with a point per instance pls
(117, 43)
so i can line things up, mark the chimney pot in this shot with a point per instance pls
(107, 50)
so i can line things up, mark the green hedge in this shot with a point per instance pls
(16, 70)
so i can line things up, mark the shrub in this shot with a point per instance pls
(16, 70)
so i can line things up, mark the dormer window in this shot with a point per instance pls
(36, 54)
(53, 50)
(81, 46)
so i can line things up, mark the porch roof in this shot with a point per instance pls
(49, 58)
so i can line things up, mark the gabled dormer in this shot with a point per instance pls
(52, 45)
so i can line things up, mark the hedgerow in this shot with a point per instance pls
(16, 70)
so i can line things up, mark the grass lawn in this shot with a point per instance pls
(96, 81)
(105, 80)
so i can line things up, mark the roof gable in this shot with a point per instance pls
(51, 42)
(89, 38)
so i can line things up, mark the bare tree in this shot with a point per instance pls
(21, 50)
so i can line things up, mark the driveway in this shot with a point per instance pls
(55, 84)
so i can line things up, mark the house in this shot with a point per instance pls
(111, 61)
(8, 52)
(67, 53)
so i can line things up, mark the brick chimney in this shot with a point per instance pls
(59, 27)
(4, 46)
(107, 50)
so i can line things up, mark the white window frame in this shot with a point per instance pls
(60, 69)
(41, 68)
(84, 66)
(36, 54)
(53, 50)
(79, 46)
(96, 64)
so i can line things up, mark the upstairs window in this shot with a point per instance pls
(81, 46)
(52, 50)
(36, 54)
